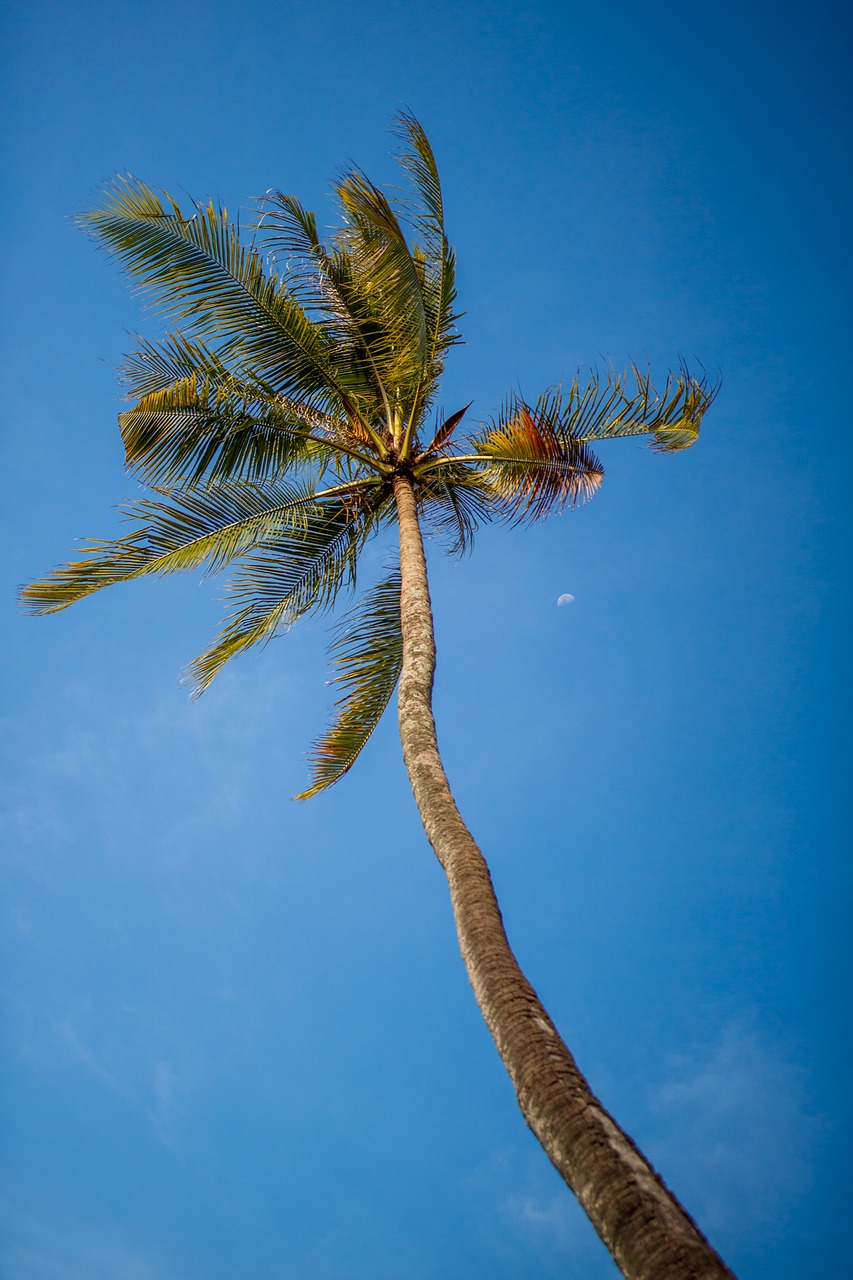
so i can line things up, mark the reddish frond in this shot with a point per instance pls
(533, 468)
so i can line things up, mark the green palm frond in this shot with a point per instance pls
(367, 656)
(388, 302)
(435, 259)
(209, 425)
(355, 285)
(316, 273)
(197, 431)
(289, 226)
(155, 366)
(209, 527)
(299, 571)
(199, 269)
(418, 160)
(384, 272)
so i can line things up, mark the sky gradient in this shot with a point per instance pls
(238, 1039)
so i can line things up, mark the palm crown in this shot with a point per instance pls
(300, 382)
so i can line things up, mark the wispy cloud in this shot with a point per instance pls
(72, 1040)
(36, 1247)
(739, 1137)
(731, 1131)
(552, 1228)
(150, 1087)
(163, 1083)
(164, 1087)
(539, 1219)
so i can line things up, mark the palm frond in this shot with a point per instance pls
(388, 303)
(154, 366)
(418, 160)
(454, 501)
(194, 432)
(626, 404)
(443, 435)
(330, 282)
(310, 268)
(298, 571)
(209, 424)
(531, 467)
(439, 263)
(209, 527)
(367, 656)
(385, 273)
(288, 226)
(198, 269)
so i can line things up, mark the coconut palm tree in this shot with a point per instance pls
(286, 420)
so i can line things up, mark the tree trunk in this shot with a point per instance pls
(649, 1234)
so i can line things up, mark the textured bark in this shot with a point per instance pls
(649, 1234)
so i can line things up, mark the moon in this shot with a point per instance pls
(565, 599)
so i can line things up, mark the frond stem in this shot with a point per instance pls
(474, 458)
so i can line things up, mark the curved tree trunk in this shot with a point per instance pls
(649, 1234)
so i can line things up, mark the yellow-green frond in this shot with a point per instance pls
(300, 570)
(418, 160)
(198, 268)
(386, 275)
(202, 429)
(209, 527)
(626, 404)
(438, 269)
(367, 656)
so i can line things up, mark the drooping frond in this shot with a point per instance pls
(298, 571)
(453, 501)
(211, 527)
(198, 269)
(531, 467)
(367, 656)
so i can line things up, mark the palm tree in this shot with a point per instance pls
(286, 421)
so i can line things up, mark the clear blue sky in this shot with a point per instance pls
(238, 1038)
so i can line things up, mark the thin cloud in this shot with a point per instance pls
(73, 1041)
(739, 1135)
(540, 1221)
(35, 1248)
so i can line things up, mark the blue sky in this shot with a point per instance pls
(238, 1039)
